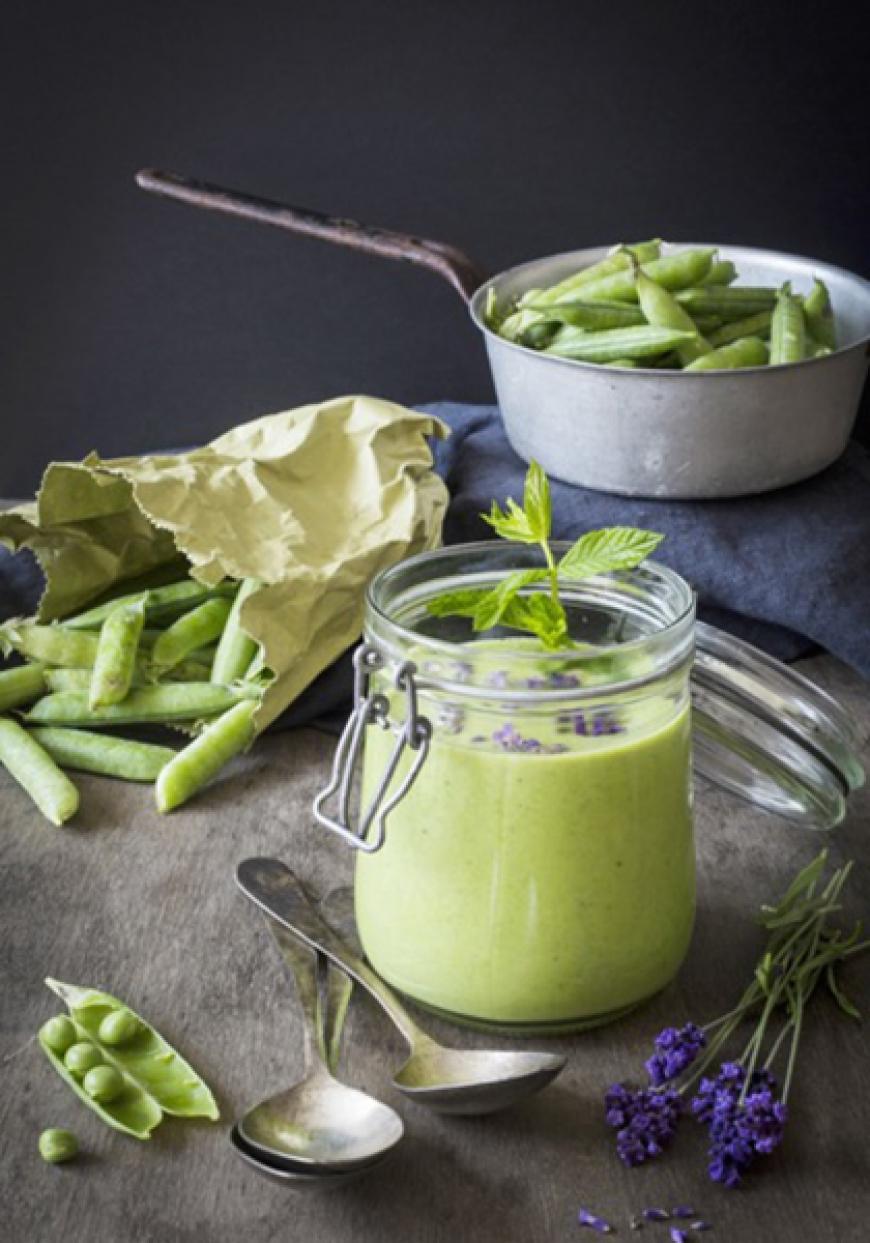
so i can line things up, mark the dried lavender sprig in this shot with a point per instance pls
(678, 1236)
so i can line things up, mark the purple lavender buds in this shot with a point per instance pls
(678, 1236)
(739, 1131)
(682, 1211)
(676, 1049)
(594, 1222)
(656, 1214)
(645, 1121)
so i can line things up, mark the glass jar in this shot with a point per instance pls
(525, 844)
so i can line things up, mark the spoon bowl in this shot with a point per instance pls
(290, 1174)
(321, 1122)
(471, 1081)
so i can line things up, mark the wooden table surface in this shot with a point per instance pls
(146, 907)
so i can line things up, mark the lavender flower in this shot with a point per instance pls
(645, 1121)
(510, 739)
(739, 1130)
(600, 723)
(676, 1049)
(586, 1218)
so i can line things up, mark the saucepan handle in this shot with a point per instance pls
(446, 261)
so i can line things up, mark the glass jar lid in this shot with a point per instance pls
(770, 735)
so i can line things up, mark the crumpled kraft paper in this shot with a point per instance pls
(313, 502)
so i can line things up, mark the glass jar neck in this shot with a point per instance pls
(627, 628)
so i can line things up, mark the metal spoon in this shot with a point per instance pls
(290, 1174)
(450, 1080)
(318, 1121)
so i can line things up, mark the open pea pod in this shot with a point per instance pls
(133, 1111)
(146, 1060)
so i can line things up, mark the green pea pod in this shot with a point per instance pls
(628, 363)
(676, 271)
(21, 685)
(513, 326)
(707, 323)
(191, 631)
(723, 272)
(538, 336)
(80, 679)
(145, 1059)
(747, 352)
(729, 302)
(55, 645)
(620, 260)
(168, 701)
(594, 315)
(788, 330)
(662, 310)
(132, 1112)
(820, 315)
(235, 649)
(102, 753)
(37, 774)
(159, 602)
(757, 325)
(229, 735)
(604, 347)
(115, 661)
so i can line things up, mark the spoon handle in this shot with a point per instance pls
(275, 889)
(305, 967)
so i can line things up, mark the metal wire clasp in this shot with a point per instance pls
(415, 732)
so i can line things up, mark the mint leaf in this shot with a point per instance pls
(541, 616)
(492, 606)
(511, 524)
(537, 504)
(611, 548)
(457, 603)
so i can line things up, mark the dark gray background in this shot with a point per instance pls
(511, 129)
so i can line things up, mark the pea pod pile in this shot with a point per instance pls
(172, 655)
(679, 311)
(119, 1065)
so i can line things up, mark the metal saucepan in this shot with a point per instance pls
(642, 432)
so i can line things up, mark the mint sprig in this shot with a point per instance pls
(542, 613)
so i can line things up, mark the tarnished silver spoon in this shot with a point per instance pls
(460, 1081)
(293, 1175)
(317, 1124)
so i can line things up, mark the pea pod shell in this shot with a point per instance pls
(21, 685)
(175, 701)
(158, 602)
(162, 1075)
(674, 271)
(109, 756)
(612, 343)
(133, 1112)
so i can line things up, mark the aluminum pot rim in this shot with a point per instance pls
(478, 299)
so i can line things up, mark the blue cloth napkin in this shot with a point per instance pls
(788, 571)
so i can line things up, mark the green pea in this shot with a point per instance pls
(103, 1084)
(59, 1033)
(745, 352)
(820, 315)
(118, 1027)
(788, 330)
(82, 1057)
(57, 1145)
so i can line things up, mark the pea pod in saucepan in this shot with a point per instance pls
(731, 302)
(592, 315)
(788, 330)
(661, 309)
(747, 352)
(819, 315)
(619, 261)
(679, 270)
(167, 1083)
(604, 347)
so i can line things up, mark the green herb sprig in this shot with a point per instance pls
(542, 613)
